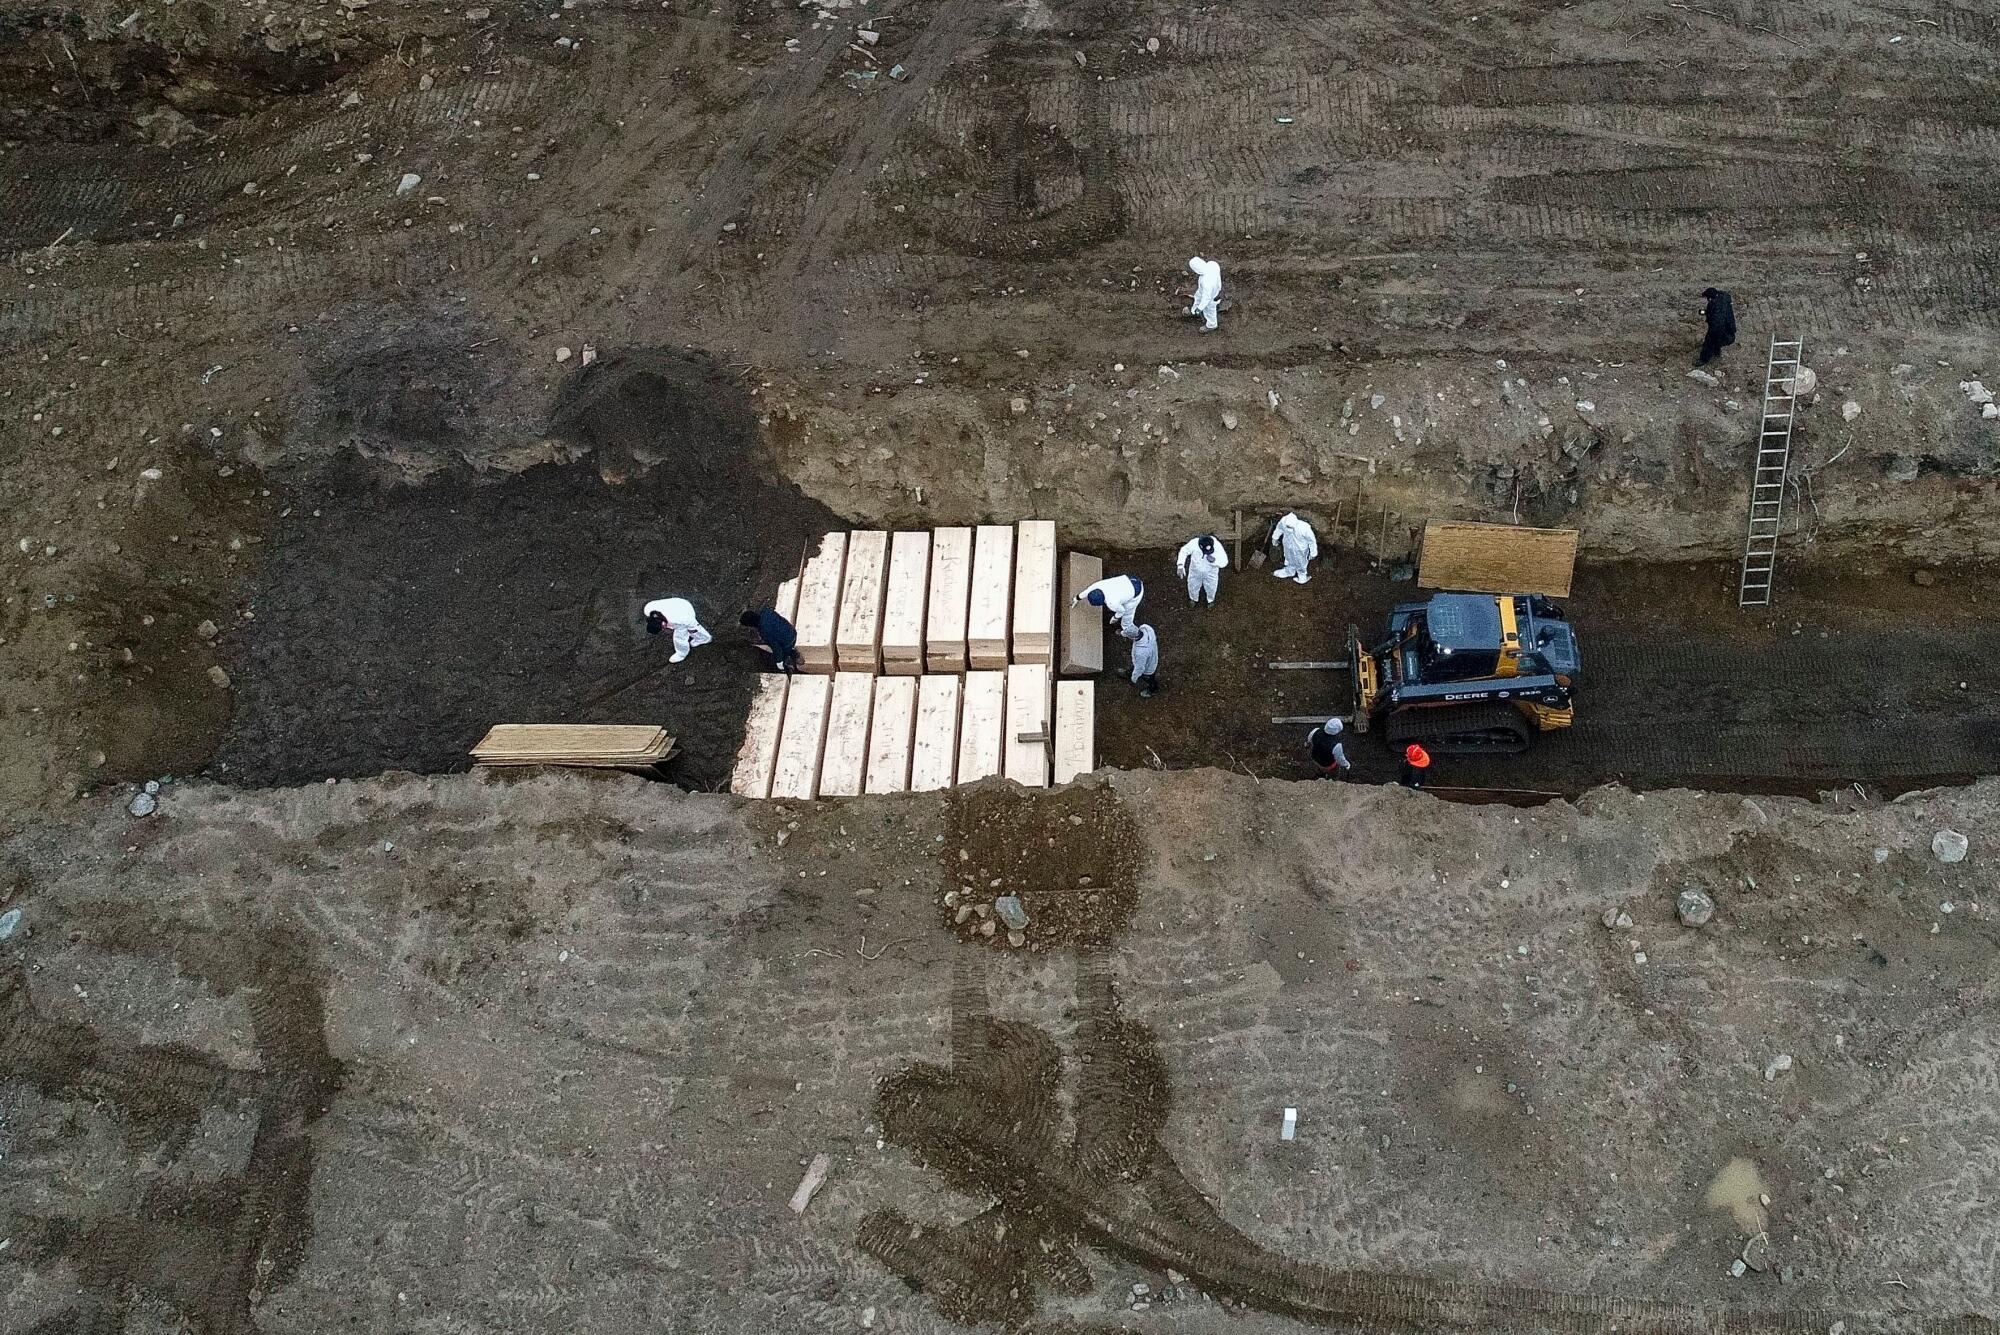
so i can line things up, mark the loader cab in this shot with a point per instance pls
(1477, 636)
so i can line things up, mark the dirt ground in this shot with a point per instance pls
(364, 364)
(1852, 677)
(1462, 247)
(390, 626)
(551, 1054)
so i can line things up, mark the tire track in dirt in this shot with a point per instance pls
(989, 1125)
(207, 1249)
(947, 38)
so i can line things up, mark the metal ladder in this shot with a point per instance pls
(1767, 483)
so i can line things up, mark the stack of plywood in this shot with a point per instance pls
(904, 607)
(577, 745)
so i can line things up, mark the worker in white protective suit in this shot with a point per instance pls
(1200, 563)
(1145, 660)
(1295, 538)
(1207, 290)
(1118, 595)
(677, 615)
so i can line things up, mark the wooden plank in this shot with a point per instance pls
(950, 600)
(891, 734)
(844, 760)
(903, 610)
(1076, 729)
(757, 758)
(819, 603)
(803, 737)
(571, 743)
(1497, 558)
(1028, 707)
(987, 623)
(786, 604)
(1035, 591)
(934, 751)
(857, 640)
(981, 718)
(1083, 625)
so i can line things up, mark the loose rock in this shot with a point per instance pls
(1694, 907)
(1923, 579)
(409, 182)
(1850, 410)
(9, 920)
(1779, 1064)
(1950, 846)
(218, 678)
(1229, 421)
(1017, 406)
(1010, 911)
(142, 804)
(1757, 1253)
(1705, 378)
(207, 630)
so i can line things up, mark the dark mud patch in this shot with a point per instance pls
(394, 624)
(1848, 681)
(1070, 855)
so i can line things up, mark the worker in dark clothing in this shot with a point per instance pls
(1416, 766)
(1721, 315)
(1329, 750)
(776, 638)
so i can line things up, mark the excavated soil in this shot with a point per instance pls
(390, 625)
(551, 1054)
(1851, 677)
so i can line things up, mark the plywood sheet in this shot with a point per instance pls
(1028, 707)
(757, 758)
(934, 753)
(1497, 558)
(1035, 591)
(950, 600)
(981, 717)
(844, 761)
(572, 743)
(1083, 624)
(988, 622)
(803, 736)
(891, 734)
(819, 603)
(857, 640)
(1076, 729)
(903, 607)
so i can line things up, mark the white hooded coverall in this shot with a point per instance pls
(1296, 539)
(1207, 289)
(1145, 652)
(1121, 595)
(688, 631)
(1199, 569)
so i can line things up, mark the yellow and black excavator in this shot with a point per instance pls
(1470, 670)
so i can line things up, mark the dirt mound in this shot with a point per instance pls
(643, 409)
(394, 624)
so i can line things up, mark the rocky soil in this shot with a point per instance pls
(553, 1054)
